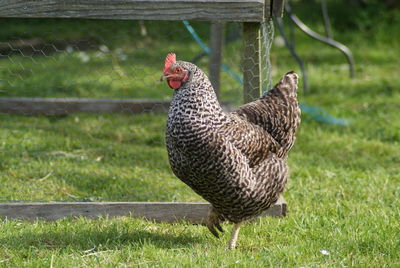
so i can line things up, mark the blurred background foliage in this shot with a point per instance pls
(363, 16)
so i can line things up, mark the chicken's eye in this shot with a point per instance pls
(178, 70)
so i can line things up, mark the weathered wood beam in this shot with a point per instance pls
(223, 10)
(252, 75)
(153, 211)
(63, 106)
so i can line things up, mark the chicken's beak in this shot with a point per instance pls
(164, 77)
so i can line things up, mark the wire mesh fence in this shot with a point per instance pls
(102, 59)
(107, 156)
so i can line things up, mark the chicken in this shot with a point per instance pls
(236, 161)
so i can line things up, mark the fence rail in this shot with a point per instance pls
(154, 211)
(64, 106)
(221, 10)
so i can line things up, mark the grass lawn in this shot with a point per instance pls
(343, 195)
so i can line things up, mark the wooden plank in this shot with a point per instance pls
(157, 211)
(252, 80)
(153, 211)
(223, 10)
(279, 209)
(64, 106)
(216, 46)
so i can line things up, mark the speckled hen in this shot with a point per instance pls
(236, 161)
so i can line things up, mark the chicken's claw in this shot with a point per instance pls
(213, 221)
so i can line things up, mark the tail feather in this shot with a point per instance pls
(287, 85)
(277, 112)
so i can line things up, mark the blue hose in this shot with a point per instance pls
(323, 116)
(317, 113)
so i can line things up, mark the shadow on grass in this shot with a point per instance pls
(96, 238)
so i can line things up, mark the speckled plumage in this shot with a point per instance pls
(236, 161)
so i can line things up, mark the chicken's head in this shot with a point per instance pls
(174, 72)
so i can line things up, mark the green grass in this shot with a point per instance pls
(343, 195)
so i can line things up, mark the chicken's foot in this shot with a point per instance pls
(213, 221)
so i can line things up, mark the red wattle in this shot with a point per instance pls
(175, 84)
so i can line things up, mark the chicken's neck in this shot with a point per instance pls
(195, 105)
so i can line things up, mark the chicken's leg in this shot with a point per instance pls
(234, 237)
(213, 221)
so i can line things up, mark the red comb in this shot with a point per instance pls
(169, 60)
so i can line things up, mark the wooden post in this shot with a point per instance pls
(252, 79)
(216, 46)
